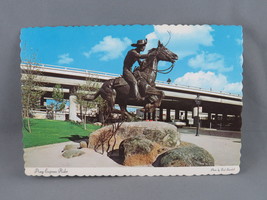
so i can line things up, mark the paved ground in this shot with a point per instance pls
(211, 132)
(51, 156)
(225, 150)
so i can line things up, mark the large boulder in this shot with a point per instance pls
(138, 151)
(72, 153)
(164, 134)
(185, 156)
(83, 144)
(69, 147)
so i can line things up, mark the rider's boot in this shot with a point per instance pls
(137, 95)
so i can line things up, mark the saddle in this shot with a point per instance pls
(120, 81)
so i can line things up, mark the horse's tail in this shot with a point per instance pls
(91, 97)
(106, 91)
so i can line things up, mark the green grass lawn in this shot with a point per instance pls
(46, 131)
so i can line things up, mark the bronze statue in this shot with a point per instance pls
(131, 57)
(118, 89)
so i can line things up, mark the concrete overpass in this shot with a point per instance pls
(179, 99)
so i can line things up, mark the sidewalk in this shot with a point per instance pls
(226, 151)
(51, 156)
(211, 132)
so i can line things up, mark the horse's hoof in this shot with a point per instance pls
(142, 110)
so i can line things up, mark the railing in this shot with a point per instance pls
(196, 88)
(71, 69)
(85, 71)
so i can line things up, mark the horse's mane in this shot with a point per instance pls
(151, 50)
(146, 61)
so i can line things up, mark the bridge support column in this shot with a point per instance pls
(149, 116)
(224, 119)
(185, 117)
(42, 101)
(168, 117)
(160, 114)
(209, 120)
(154, 115)
(237, 122)
(185, 114)
(73, 107)
(216, 120)
(177, 114)
(144, 115)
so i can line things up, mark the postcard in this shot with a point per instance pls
(132, 100)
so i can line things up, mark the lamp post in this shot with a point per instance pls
(198, 102)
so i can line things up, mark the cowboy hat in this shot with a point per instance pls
(140, 43)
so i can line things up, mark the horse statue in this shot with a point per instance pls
(117, 89)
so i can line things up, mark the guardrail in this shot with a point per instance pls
(71, 69)
(85, 71)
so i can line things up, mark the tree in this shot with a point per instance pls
(91, 86)
(58, 97)
(31, 91)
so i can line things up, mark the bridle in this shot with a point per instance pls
(163, 71)
(167, 70)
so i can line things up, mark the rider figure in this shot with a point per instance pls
(131, 57)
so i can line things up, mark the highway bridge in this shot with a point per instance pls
(179, 100)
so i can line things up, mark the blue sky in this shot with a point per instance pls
(210, 57)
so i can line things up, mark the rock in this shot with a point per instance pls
(138, 151)
(98, 123)
(83, 144)
(72, 153)
(69, 146)
(185, 156)
(167, 137)
(164, 134)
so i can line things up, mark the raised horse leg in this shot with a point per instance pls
(124, 112)
(155, 96)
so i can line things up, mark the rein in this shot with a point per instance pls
(167, 70)
(164, 71)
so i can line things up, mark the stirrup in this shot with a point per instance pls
(140, 99)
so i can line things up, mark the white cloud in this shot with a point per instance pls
(109, 48)
(152, 36)
(234, 87)
(209, 81)
(239, 41)
(87, 54)
(65, 59)
(241, 60)
(185, 39)
(209, 61)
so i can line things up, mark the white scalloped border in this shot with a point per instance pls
(132, 171)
